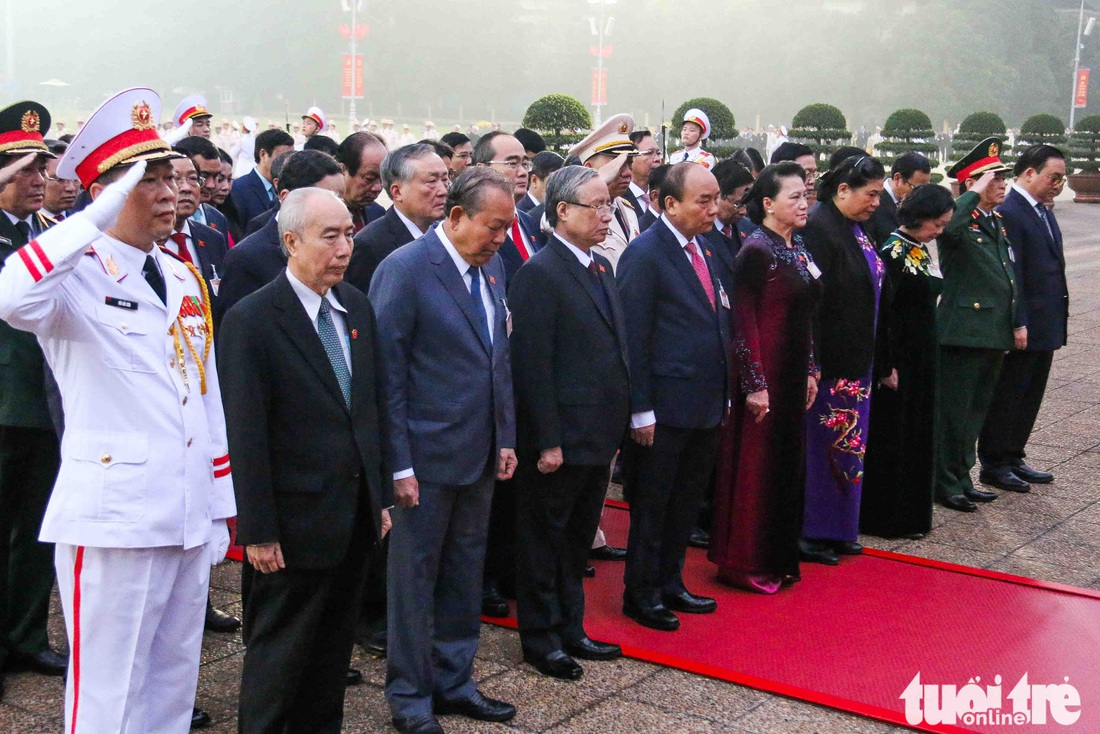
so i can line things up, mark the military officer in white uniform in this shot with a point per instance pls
(695, 130)
(139, 507)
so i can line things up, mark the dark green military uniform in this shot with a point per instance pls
(29, 456)
(975, 318)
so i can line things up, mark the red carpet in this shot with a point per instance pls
(853, 637)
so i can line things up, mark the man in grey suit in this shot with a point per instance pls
(443, 327)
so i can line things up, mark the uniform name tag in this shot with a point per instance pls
(814, 270)
(121, 303)
(723, 297)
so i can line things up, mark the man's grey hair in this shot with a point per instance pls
(469, 189)
(294, 212)
(563, 185)
(397, 166)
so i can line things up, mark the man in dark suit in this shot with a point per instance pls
(909, 171)
(648, 158)
(361, 155)
(676, 317)
(1042, 314)
(505, 154)
(29, 451)
(207, 159)
(653, 213)
(195, 243)
(257, 222)
(570, 370)
(254, 193)
(442, 326)
(310, 504)
(734, 181)
(416, 180)
(258, 258)
(542, 165)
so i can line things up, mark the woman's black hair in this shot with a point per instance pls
(857, 171)
(925, 202)
(768, 185)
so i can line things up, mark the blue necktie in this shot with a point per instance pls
(326, 329)
(478, 306)
(1046, 218)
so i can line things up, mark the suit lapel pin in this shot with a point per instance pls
(355, 333)
(202, 244)
(603, 269)
(708, 253)
(492, 280)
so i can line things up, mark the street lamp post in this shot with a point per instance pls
(1086, 30)
(600, 29)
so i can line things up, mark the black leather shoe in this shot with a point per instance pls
(46, 662)
(589, 649)
(699, 538)
(814, 551)
(912, 536)
(425, 724)
(845, 548)
(1003, 477)
(1032, 476)
(590, 572)
(353, 677)
(477, 706)
(199, 719)
(492, 603)
(959, 502)
(689, 603)
(658, 617)
(607, 553)
(219, 621)
(377, 643)
(979, 495)
(556, 665)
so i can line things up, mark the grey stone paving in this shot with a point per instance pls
(1053, 534)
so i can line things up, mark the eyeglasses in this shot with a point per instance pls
(514, 164)
(1056, 178)
(649, 153)
(216, 178)
(600, 209)
(192, 180)
(465, 156)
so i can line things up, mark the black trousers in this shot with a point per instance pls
(556, 515)
(500, 549)
(301, 625)
(29, 460)
(1016, 402)
(671, 480)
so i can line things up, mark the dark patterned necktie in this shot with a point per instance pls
(330, 338)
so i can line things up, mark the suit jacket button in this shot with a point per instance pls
(189, 442)
(106, 459)
(185, 400)
(977, 305)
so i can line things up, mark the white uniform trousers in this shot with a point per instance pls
(134, 617)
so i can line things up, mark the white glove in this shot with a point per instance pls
(103, 212)
(218, 545)
(178, 134)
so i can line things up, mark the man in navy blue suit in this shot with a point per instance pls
(254, 192)
(676, 318)
(443, 336)
(505, 154)
(361, 155)
(1042, 312)
(209, 162)
(195, 243)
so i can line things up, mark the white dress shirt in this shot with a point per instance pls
(409, 225)
(30, 220)
(642, 197)
(311, 302)
(583, 257)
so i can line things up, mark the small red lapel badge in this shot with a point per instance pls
(492, 280)
(355, 333)
(708, 253)
(603, 269)
(202, 244)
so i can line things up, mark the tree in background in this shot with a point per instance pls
(822, 127)
(1041, 129)
(557, 114)
(907, 130)
(722, 125)
(975, 128)
(1084, 145)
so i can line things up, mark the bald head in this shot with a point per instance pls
(315, 230)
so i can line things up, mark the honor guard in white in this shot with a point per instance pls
(695, 130)
(139, 507)
(193, 108)
(314, 122)
(608, 149)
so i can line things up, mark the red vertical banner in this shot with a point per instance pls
(1081, 89)
(599, 87)
(353, 68)
(603, 88)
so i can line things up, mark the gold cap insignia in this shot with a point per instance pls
(622, 127)
(994, 149)
(31, 122)
(142, 117)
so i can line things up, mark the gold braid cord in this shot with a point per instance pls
(177, 329)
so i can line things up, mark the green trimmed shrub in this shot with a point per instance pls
(557, 113)
(722, 124)
(973, 130)
(1041, 129)
(822, 127)
(907, 130)
(1084, 145)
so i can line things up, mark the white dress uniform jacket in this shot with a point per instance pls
(696, 155)
(144, 456)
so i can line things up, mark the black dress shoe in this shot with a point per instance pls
(353, 677)
(425, 724)
(477, 706)
(590, 572)
(589, 649)
(958, 502)
(979, 495)
(607, 553)
(689, 603)
(813, 551)
(377, 643)
(912, 536)
(556, 665)
(1003, 478)
(219, 621)
(46, 662)
(846, 548)
(199, 719)
(699, 538)
(658, 617)
(1032, 476)
(493, 603)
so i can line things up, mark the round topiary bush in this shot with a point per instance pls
(1041, 129)
(822, 127)
(722, 125)
(907, 130)
(1084, 145)
(973, 130)
(557, 114)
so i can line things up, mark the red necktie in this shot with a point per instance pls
(517, 240)
(728, 231)
(181, 244)
(701, 271)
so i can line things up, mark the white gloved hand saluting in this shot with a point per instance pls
(178, 134)
(103, 212)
